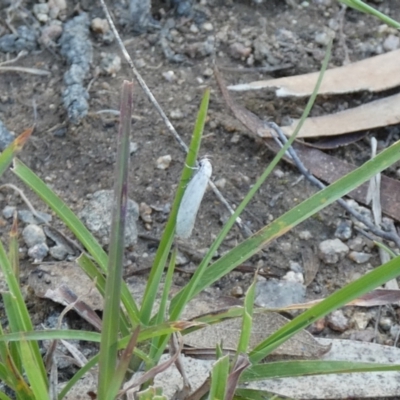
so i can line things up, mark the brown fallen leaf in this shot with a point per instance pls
(302, 345)
(378, 113)
(374, 74)
(53, 275)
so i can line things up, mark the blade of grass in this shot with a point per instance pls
(111, 318)
(363, 7)
(162, 312)
(13, 250)
(33, 370)
(285, 369)
(363, 285)
(168, 235)
(123, 365)
(189, 291)
(219, 377)
(17, 312)
(247, 320)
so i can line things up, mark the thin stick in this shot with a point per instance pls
(164, 117)
(316, 182)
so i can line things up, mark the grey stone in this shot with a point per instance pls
(97, 217)
(338, 321)
(276, 294)
(38, 252)
(33, 234)
(6, 137)
(332, 251)
(359, 257)
(344, 230)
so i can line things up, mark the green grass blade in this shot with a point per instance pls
(219, 378)
(285, 369)
(247, 320)
(165, 328)
(168, 235)
(17, 312)
(111, 314)
(14, 253)
(156, 348)
(363, 7)
(253, 394)
(33, 370)
(9, 153)
(292, 218)
(363, 285)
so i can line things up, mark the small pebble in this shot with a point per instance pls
(33, 234)
(305, 235)
(277, 294)
(176, 114)
(343, 230)
(332, 251)
(337, 321)
(99, 26)
(194, 29)
(359, 257)
(385, 323)
(8, 211)
(292, 276)
(207, 26)
(238, 51)
(360, 320)
(220, 183)
(133, 147)
(169, 76)
(235, 138)
(391, 43)
(237, 291)
(110, 63)
(38, 252)
(145, 212)
(59, 252)
(317, 327)
(278, 173)
(208, 72)
(164, 162)
(356, 244)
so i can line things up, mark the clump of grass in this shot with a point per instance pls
(134, 337)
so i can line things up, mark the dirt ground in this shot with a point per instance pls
(78, 160)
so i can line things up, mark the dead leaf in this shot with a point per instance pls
(302, 345)
(53, 275)
(310, 264)
(374, 74)
(378, 113)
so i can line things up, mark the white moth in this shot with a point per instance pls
(191, 200)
